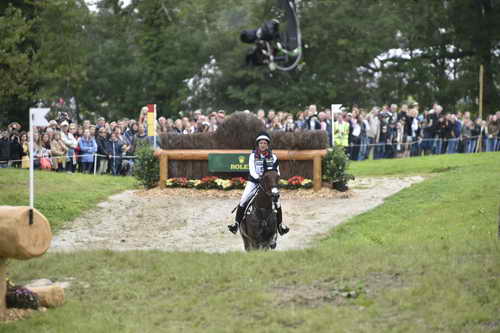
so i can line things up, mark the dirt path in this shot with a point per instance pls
(194, 220)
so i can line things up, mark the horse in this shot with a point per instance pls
(259, 227)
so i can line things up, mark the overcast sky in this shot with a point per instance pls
(91, 3)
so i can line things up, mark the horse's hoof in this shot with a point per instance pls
(272, 246)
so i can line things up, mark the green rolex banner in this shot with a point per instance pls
(227, 162)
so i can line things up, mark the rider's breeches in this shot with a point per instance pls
(250, 189)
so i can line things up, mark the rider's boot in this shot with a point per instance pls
(282, 228)
(239, 216)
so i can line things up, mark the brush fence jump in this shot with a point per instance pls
(20, 240)
(202, 155)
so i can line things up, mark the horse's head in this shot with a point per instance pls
(270, 182)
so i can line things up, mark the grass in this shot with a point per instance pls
(427, 260)
(61, 197)
(421, 165)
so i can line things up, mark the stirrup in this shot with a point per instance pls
(233, 227)
(283, 229)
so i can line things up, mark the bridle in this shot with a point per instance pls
(274, 195)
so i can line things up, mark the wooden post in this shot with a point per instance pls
(163, 170)
(479, 145)
(317, 172)
(481, 90)
(3, 287)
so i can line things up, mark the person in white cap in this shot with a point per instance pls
(260, 160)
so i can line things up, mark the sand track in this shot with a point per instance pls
(194, 220)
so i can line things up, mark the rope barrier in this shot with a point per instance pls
(77, 156)
(411, 142)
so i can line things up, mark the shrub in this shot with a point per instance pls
(335, 166)
(238, 131)
(147, 166)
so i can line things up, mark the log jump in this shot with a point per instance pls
(314, 155)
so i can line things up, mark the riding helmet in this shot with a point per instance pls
(263, 136)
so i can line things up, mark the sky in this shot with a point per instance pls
(91, 3)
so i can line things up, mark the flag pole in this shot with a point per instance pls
(39, 114)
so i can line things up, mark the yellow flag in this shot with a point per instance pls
(151, 119)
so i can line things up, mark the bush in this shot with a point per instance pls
(335, 166)
(147, 166)
(239, 131)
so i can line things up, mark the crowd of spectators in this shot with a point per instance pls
(381, 132)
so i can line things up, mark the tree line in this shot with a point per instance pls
(186, 55)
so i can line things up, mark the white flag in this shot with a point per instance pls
(336, 108)
(38, 116)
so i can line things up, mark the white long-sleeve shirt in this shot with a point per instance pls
(256, 167)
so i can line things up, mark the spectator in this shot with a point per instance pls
(25, 163)
(102, 155)
(114, 151)
(373, 132)
(455, 129)
(42, 152)
(312, 121)
(363, 138)
(68, 138)
(341, 131)
(493, 131)
(88, 148)
(4, 149)
(59, 152)
(15, 149)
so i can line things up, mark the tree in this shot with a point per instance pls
(64, 50)
(16, 58)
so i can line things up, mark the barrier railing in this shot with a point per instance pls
(202, 155)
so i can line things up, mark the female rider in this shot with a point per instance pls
(260, 160)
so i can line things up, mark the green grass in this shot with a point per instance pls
(61, 197)
(427, 260)
(421, 165)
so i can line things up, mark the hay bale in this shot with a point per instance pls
(300, 140)
(238, 131)
(170, 140)
(204, 140)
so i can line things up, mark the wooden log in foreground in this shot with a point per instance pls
(18, 238)
(202, 155)
(50, 296)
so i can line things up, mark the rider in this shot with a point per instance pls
(261, 159)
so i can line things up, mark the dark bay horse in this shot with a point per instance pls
(259, 226)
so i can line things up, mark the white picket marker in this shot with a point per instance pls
(37, 118)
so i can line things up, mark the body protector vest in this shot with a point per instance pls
(258, 163)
